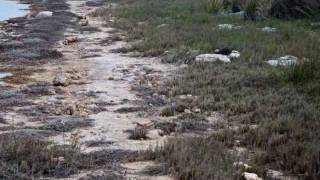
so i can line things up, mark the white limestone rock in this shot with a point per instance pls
(250, 176)
(44, 14)
(269, 29)
(213, 58)
(284, 61)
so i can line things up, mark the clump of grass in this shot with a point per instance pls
(22, 157)
(214, 6)
(295, 8)
(167, 111)
(285, 119)
(196, 159)
(252, 10)
(138, 133)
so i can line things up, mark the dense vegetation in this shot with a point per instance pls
(276, 109)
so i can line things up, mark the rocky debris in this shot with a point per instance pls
(218, 57)
(162, 25)
(70, 40)
(63, 124)
(234, 55)
(83, 22)
(58, 108)
(284, 61)
(242, 165)
(250, 176)
(196, 110)
(3, 23)
(59, 159)
(75, 75)
(155, 133)
(276, 175)
(61, 79)
(269, 29)
(5, 74)
(40, 88)
(44, 14)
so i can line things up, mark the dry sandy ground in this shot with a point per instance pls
(110, 76)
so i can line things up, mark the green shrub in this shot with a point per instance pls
(252, 10)
(214, 6)
(295, 8)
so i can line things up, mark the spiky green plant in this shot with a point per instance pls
(214, 6)
(251, 10)
(295, 8)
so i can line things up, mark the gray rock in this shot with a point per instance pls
(213, 58)
(225, 26)
(284, 61)
(234, 55)
(250, 176)
(228, 27)
(5, 74)
(61, 79)
(218, 57)
(44, 14)
(269, 29)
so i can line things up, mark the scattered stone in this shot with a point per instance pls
(213, 58)
(242, 165)
(234, 55)
(155, 133)
(269, 29)
(250, 176)
(5, 74)
(3, 23)
(275, 175)
(225, 26)
(61, 79)
(44, 14)
(187, 111)
(142, 23)
(70, 40)
(228, 27)
(83, 22)
(196, 110)
(58, 159)
(235, 14)
(162, 25)
(284, 61)
(223, 55)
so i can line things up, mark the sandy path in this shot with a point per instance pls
(110, 77)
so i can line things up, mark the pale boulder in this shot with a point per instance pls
(213, 58)
(44, 14)
(61, 79)
(284, 61)
(250, 176)
(218, 57)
